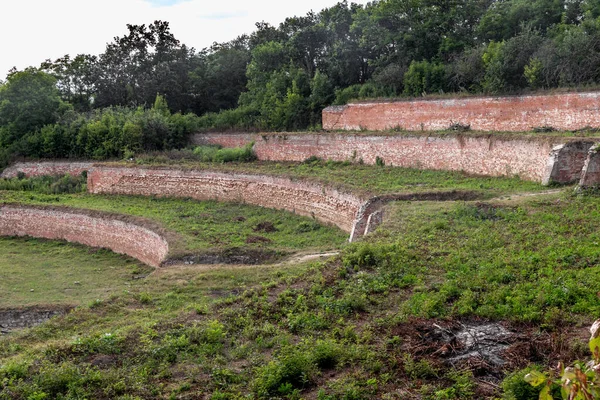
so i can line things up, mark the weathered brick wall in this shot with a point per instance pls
(566, 111)
(527, 157)
(42, 168)
(590, 177)
(91, 229)
(304, 198)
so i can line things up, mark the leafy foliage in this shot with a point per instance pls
(579, 381)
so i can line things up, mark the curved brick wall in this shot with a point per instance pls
(88, 228)
(326, 204)
(565, 111)
(42, 168)
(536, 159)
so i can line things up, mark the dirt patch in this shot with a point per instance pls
(257, 239)
(12, 319)
(265, 226)
(486, 348)
(238, 255)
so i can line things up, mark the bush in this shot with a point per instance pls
(46, 184)
(223, 155)
(578, 381)
(424, 77)
(293, 369)
(107, 133)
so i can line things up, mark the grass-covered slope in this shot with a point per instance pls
(359, 326)
(210, 227)
(358, 178)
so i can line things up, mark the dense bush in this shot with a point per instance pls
(218, 154)
(47, 184)
(106, 133)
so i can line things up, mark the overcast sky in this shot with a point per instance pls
(32, 31)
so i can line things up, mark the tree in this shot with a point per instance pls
(28, 100)
(220, 76)
(75, 79)
(148, 60)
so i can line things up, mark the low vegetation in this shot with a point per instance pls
(206, 154)
(362, 325)
(46, 184)
(209, 227)
(39, 272)
(354, 176)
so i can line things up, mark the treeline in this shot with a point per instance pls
(281, 77)
(394, 48)
(36, 123)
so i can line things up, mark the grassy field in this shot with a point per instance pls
(359, 326)
(367, 324)
(40, 272)
(358, 178)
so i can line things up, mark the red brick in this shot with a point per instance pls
(566, 111)
(80, 227)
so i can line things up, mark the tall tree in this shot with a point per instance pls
(147, 61)
(28, 100)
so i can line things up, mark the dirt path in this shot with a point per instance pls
(294, 259)
(517, 196)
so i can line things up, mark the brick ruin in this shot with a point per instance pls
(539, 158)
(92, 229)
(534, 158)
(561, 111)
(325, 204)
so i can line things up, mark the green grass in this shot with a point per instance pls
(330, 330)
(530, 260)
(207, 226)
(367, 179)
(36, 272)
(343, 329)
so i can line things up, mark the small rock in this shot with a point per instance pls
(31, 290)
(77, 283)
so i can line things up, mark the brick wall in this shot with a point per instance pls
(326, 204)
(91, 229)
(46, 168)
(590, 176)
(528, 157)
(566, 111)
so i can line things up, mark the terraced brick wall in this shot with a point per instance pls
(46, 168)
(325, 204)
(564, 111)
(536, 159)
(91, 229)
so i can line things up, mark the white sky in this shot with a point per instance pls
(32, 31)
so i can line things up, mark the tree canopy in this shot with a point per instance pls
(281, 77)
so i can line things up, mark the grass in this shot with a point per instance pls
(351, 328)
(207, 227)
(528, 261)
(367, 180)
(40, 272)
(355, 327)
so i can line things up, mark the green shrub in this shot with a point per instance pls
(424, 77)
(292, 369)
(515, 387)
(223, 155)
(46, 184)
